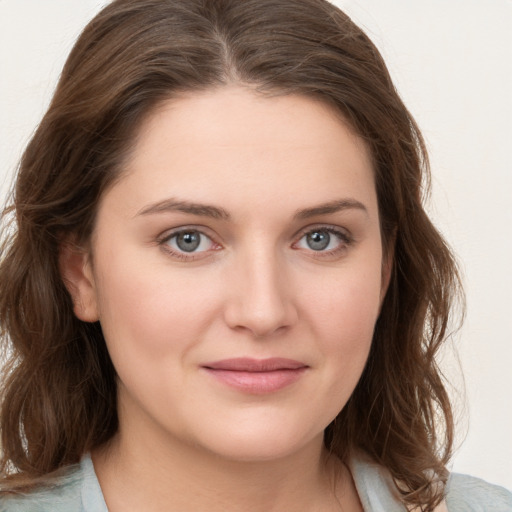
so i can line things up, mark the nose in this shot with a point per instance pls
(260, 299)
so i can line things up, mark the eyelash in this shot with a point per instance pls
(164, 240)
(345, 241)
(344, 237)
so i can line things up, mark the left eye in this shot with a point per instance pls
(189, 241)
(321, 240)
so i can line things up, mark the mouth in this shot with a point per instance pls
(256, 376)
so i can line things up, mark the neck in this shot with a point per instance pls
(180, 477)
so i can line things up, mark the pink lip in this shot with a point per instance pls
(257, 376)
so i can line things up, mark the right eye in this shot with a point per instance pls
(187, 242)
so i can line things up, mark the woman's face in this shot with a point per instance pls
(237, 273)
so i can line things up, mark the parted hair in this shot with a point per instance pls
(58, 396)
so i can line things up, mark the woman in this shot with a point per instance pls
(222, 291)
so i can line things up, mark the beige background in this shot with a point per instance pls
(452, 63)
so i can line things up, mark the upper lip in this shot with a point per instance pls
(247, 364)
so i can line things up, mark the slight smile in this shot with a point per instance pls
(256, 376)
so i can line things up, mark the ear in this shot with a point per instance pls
(76, 271)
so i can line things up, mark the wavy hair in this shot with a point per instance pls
(58, 397)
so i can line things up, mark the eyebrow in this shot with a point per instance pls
(330, 207)
(173, 205)
(215, 212)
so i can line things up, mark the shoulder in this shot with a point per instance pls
(62, 495)
(465, 493)
(374, 484)
(77, 490)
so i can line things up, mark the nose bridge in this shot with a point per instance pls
(260, 300)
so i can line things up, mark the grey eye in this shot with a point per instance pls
(188, 241)
(318, 240)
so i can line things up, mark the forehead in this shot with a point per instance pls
(233, 144)
(243, 117)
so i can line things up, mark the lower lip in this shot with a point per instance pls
(257, 382)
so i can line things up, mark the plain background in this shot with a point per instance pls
(452, 64)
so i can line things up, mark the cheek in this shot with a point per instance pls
(347, 329)
(345, 304)
(153, 323)
(149, 311)
(343, 319)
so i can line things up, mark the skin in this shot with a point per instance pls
(253, 288)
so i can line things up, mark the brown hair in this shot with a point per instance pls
(59, 394)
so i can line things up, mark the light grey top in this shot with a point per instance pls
(464, 493)
(80, 491)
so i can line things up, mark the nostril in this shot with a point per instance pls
(260, 300)
(260, 322)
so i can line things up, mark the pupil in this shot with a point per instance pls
(318, 240)
(188, 241)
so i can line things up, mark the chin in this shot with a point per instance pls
(271, 441)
